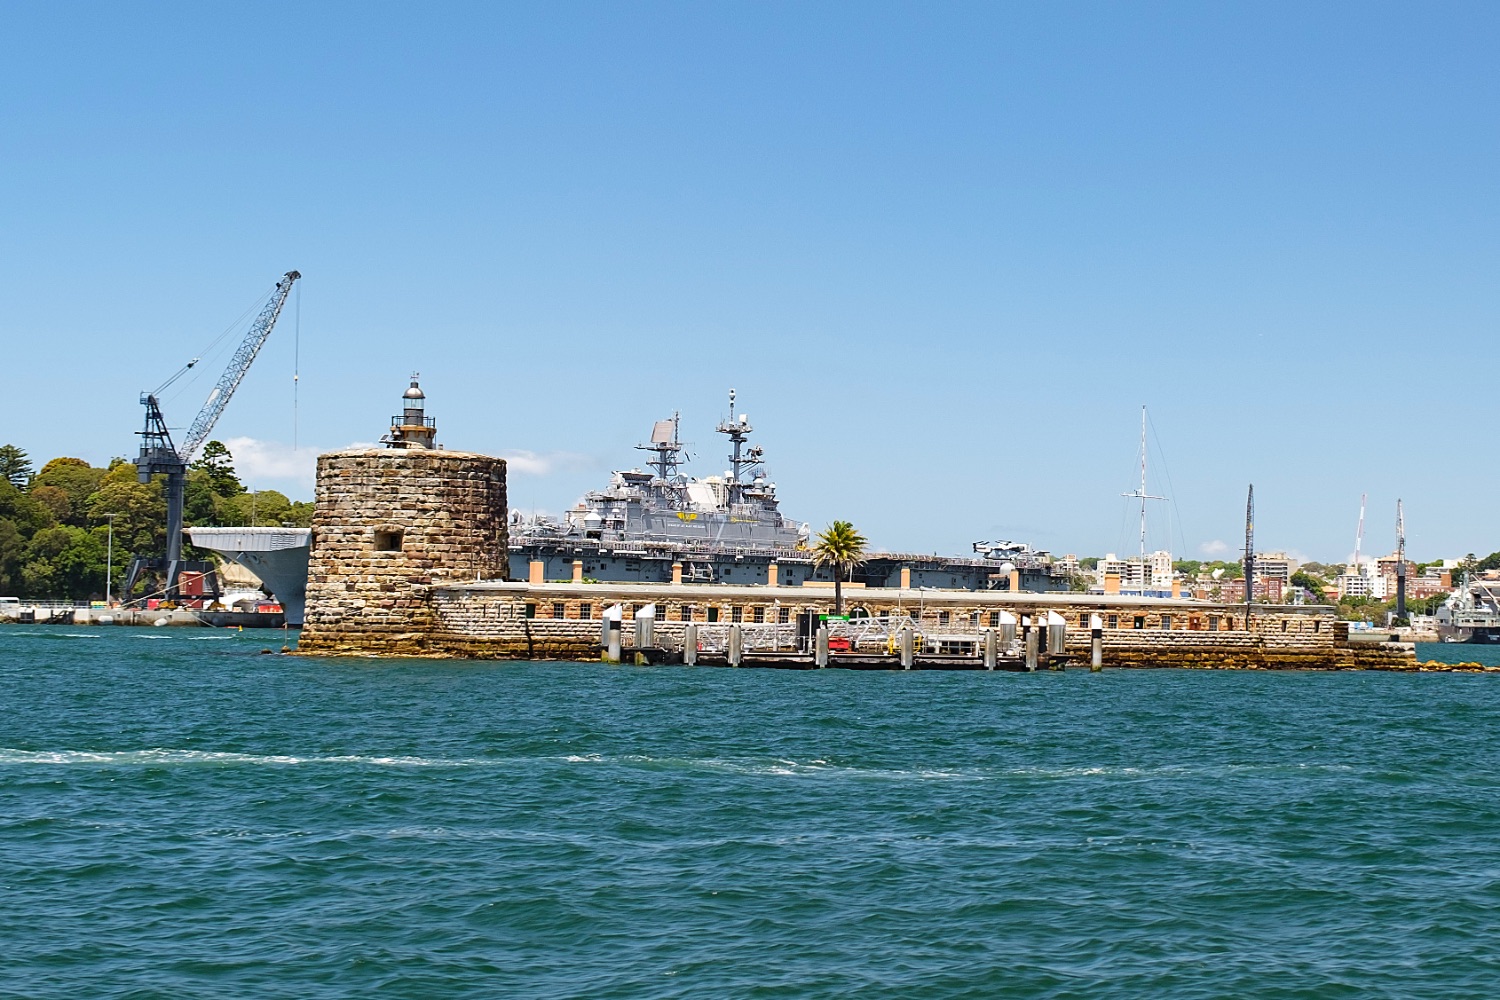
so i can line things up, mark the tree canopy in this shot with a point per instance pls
(842, 547)
(55, 524)
(15, 466)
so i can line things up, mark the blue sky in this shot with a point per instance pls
(944, 252)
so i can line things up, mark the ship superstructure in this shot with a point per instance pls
(729, 529)
(736, 511)
(1471, 614)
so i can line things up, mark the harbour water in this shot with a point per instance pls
(182, 816)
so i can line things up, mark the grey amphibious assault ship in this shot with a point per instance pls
(730, 529)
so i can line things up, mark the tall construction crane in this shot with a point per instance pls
(1400, 564)
(158, 455)
(1249, 552)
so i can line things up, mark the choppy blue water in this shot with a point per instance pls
(180, 817)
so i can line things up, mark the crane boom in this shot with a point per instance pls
(244, 355)
(160, 457)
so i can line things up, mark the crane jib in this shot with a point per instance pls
(234, 372)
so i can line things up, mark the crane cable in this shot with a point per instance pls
(296, 362)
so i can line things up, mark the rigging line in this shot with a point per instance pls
(1171, 490)
(213, 349)
(296, 362)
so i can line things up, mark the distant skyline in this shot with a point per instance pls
(943, 252)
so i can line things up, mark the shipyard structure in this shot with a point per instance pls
(414, 553)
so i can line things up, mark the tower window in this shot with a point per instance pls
(388, 539)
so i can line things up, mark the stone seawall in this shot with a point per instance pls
(561, 622)
(390, 524)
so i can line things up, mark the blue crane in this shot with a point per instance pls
(159, 456)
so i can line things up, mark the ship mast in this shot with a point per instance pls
(666, 448)
(1141, 495)
(740, 462)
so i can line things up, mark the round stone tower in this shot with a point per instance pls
(388, 524)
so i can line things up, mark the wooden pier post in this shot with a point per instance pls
(906, 648)
(820, 647)
(1032, 647)
(1096, 640)
(736, 649)
(989, 649)
(690, 644)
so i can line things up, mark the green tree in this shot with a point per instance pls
(12, 557)
(842, 548)
(74, 478)
(64, 562)
(217, 463)
(263, 508)
(1312, 584)
(15, 466)
(28, 513)
(141, 513)
(1491, 561)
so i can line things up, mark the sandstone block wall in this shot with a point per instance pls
(389, 524)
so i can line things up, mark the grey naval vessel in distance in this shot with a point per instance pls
(730, 529)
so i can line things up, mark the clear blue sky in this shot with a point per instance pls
(944, 251)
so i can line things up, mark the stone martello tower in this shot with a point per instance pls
(391, 522)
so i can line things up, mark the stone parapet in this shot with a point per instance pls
(390, 524)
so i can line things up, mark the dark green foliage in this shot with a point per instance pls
(54, 531)
(216, 465)
(15, 466)
(1313, 584)
(73, 479)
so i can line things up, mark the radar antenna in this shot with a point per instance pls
(666, 448)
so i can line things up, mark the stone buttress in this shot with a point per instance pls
(389, 525)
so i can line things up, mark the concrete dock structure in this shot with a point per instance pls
(409, 558)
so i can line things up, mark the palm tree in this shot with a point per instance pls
(843, 548)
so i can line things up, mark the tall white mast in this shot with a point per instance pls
(1141, 495)
(1359, 535)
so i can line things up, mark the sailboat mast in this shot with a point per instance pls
(1143, 489)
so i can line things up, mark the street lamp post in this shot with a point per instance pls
(109, 562)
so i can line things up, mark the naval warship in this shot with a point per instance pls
(1471, 614)
(729, 529)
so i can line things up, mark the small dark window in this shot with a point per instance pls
(387, 540)
(784, 615)
(559, 609)
(1114, 621)
(942, 617)
(1213, 623)
(1140, 621)
(687, 613)
(1083, 619)
(585, 611)
(1166, 622)
(530, 610)
(758, 615)
(994, 619)
(713, 614)
(1283, 624)
(736, 614)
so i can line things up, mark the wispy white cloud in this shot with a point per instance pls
(1214, 548)
(533, 463)
(264, 464)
